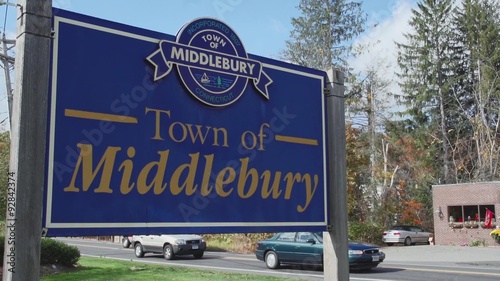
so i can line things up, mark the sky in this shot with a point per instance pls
(262, 25)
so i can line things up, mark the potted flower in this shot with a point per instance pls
(496, 235)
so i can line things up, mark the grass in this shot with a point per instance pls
(220, 246)
(101, 269)
(236, 243)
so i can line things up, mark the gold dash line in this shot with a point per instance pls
(99, 116)
(296, 140)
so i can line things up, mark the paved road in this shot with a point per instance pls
(413, 263)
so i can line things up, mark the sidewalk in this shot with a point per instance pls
(420, 253)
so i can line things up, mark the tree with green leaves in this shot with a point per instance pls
(425, 61)
(368, 109)
(477, 89)
(321, 39)
(4, 170)
(321, 36)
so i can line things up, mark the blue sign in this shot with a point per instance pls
(153, 133)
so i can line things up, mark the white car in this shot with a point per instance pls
(406, 234)
(126, 241)
(169, 245)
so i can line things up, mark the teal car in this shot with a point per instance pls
(306, 248)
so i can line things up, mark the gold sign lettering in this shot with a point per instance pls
(242, 181)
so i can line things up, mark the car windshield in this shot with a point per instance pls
(319, 236)
(397, 228)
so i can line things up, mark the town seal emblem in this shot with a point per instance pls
(211, 61)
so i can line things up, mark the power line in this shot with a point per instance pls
(5, 16)
(5, 58)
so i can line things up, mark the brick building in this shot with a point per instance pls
(460, 212)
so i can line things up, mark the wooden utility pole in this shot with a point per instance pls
(28, 135)
(335, 241)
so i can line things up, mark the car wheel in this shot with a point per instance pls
(407, 241)
(168, 252)
(198, 255)
(138, 250)
(125, 242)
(390, 244)
(272, 260)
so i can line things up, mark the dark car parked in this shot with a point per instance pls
(306, 248)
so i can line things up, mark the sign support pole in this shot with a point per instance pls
(28, 134)
(335, 242)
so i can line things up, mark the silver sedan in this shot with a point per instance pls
(406, 234)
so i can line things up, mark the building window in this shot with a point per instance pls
(471, 213)
(455, 214)
(470, 216)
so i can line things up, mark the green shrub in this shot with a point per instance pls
(366, 232)
(52, 252)
(478, 242)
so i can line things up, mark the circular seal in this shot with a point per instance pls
(217, 71)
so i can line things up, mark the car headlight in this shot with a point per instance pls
(202, 240)
(355, 252)
(180, 242)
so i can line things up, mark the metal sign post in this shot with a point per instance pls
(336, 261)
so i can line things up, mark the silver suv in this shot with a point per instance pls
(169, 245)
